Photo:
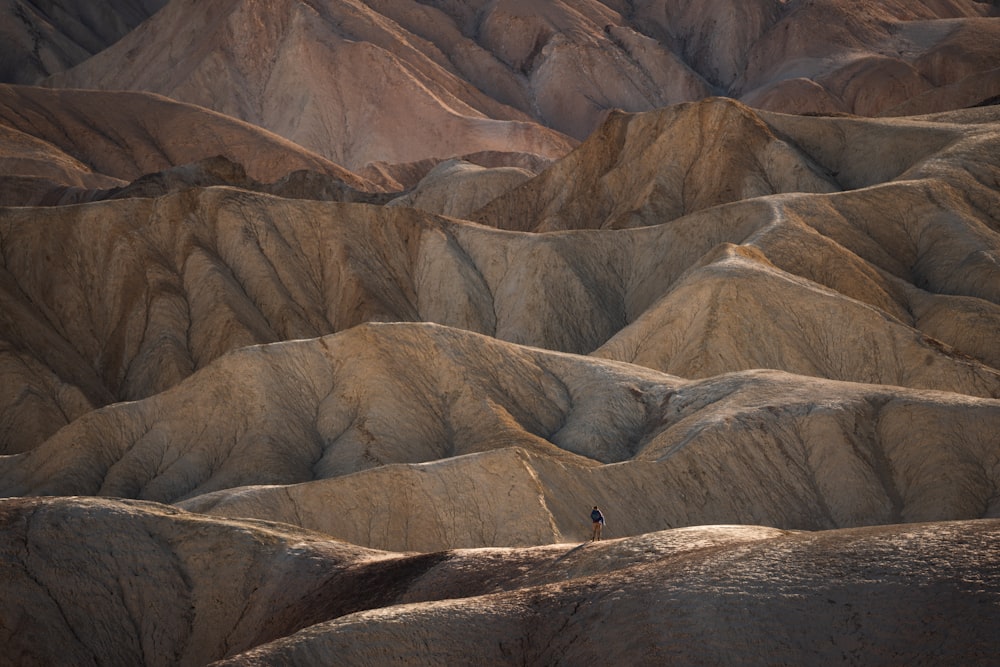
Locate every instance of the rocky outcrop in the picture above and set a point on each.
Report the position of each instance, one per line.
(650, 168)
(456, 188)
(263, 63)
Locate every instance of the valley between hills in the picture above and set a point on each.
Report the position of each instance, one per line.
(325, 323)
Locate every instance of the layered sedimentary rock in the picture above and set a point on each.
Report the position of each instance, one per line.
(62, 144)
(905, 262)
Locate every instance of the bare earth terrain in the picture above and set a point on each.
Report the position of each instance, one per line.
(324, 324)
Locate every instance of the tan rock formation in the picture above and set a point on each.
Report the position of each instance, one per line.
(904, 261)
(406, 175)
(262, 63)
(334, 76)
(645, 169)
(651, 168)
(136, 583)
(706, 313)
(793, 599)
(867, 58)
(140, 583)
(674, 452)
(456, 188)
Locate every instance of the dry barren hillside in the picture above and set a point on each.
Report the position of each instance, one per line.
(905, 262)
(164, 587)
(658, 451)
(62, 145)
(336, 76)
(323, 325)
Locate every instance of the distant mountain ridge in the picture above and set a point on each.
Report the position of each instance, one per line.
(339, 77)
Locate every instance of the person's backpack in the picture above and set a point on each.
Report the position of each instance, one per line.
(595, 515)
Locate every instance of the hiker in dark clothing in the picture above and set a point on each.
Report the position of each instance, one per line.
(598, 519)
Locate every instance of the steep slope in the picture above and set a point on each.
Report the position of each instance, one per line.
(650, 168)
(724, 331)
(146, 584)
(125, 135)
(706, 313)
(131, 583)
(641, 169)
(33, 169)
(155, 300)
(874, 58)
(40, 38)
(336, 76)
(264, 63)
(685, 452)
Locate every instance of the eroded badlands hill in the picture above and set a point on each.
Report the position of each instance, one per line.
(60, 146)
(792, 281)
(351, 80)
(657, 451)
(431, 276)
(139, 583)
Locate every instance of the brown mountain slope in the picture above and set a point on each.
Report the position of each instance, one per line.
(40, 38)
(641, 169)
(874, 58)
(725, 331)
(685, 452)
(130, 583)
(34, 169)
(337, 76)
(126, 135)
(264, 63)
(649, 168)
(136, 313)
(786, 600)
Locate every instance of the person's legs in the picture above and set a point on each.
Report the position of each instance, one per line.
(597, 531)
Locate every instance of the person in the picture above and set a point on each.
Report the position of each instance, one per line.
(598, 518)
